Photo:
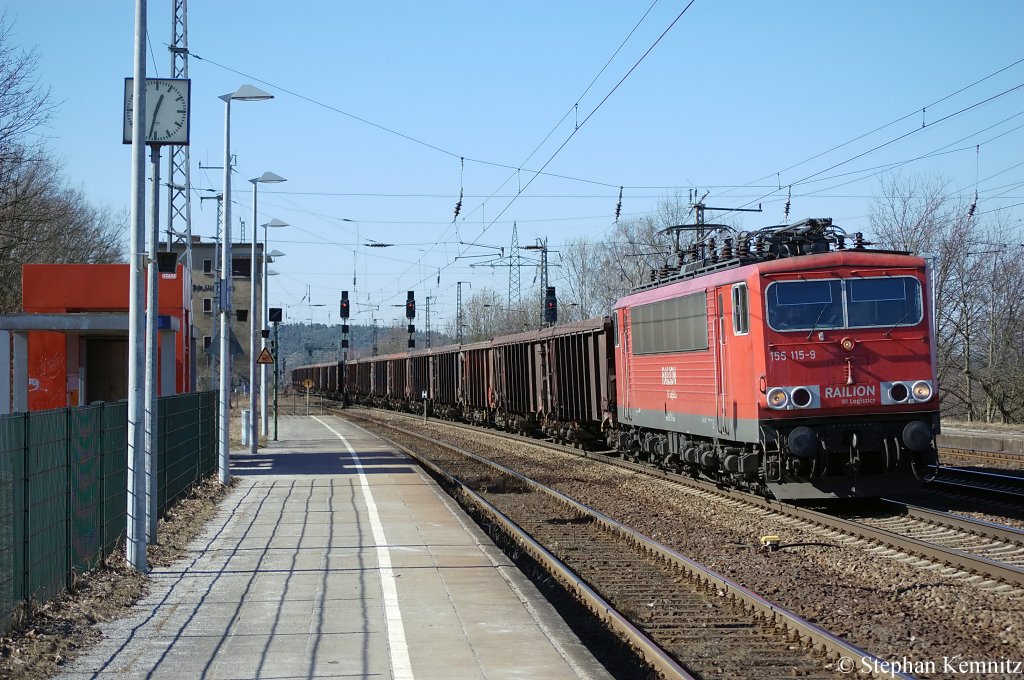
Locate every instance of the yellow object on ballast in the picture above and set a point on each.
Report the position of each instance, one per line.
(770, 542)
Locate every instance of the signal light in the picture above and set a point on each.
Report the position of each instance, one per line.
(344, 304)
(550, 305)
(410, 306)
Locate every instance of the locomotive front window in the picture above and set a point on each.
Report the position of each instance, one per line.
(883, 301)
(805, 305)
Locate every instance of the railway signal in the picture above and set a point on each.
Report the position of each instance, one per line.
(344, 313)
(550, 306)
(410, 305)
(410, 314)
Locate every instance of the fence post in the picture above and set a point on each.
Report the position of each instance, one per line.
(26, 523)
(69, 512)
(102, 484)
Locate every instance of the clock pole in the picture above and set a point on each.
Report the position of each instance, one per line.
(135, 549)
(152, 302)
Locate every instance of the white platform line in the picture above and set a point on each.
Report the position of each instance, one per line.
(400, 664)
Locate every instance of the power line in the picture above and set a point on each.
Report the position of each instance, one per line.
(887, 125)
(592, 112)
(889, 142)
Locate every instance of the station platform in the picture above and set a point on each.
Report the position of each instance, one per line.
(981, 439)
(336, 556)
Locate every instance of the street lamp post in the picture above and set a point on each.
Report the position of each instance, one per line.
(254, 325)
(244, 93)
(264, 393)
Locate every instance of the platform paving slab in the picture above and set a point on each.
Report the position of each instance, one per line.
(290, 581)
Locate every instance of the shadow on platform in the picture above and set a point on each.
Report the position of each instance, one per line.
(320, 463)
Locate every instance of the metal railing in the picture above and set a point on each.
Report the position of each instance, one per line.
(63, 487)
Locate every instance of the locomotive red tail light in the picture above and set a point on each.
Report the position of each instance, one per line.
(898, 393)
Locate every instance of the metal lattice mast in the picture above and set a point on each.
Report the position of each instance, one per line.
(428, 321)
(179, 212)
(543, 247)
(179, 182)
(458, 312)
(213, 358)
(514, 279)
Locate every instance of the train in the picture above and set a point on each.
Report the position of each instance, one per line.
(794, 362)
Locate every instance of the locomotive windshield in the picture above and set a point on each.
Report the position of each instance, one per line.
(844, 303)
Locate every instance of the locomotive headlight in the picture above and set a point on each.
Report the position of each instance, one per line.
(801, 397)
(777, 397)
(898, 393)
(922, 390)
(847, 343)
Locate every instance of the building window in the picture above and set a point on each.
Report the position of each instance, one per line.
(241, 267)
(207, 340)
(207, 305)
(207, 266)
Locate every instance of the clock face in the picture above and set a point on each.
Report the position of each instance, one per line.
(167, 114)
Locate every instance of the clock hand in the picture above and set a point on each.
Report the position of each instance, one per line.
(156, 110)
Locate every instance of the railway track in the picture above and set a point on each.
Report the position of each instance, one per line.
(963, 548)
(995, 458)
(985, 539)
(685, 619)
(980, 483)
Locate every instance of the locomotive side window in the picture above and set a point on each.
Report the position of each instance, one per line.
(805, 305)
(615, 327)
(884, 301)
(740, 310)
(676, 325)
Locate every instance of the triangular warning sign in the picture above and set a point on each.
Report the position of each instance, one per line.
(265, 357)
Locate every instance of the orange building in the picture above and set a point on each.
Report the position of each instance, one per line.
(70, 346)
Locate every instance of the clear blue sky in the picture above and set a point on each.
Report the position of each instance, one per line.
(733, 93)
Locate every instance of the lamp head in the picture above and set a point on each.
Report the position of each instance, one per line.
(276, 223)
(268, 178)
(247, 93)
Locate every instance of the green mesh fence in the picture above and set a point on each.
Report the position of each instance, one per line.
(12, 501)
(46, 566)
(63, 487)
(114, 493)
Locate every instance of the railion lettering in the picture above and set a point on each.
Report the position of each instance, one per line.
(850, 391)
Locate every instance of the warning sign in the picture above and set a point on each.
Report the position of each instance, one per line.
(307, 383)
(265, 357)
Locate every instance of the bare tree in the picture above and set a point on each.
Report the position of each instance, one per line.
(597, 272)
(41, 218)
(978, 280)
(25, 105)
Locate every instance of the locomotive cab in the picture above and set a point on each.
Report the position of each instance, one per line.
(849, 403)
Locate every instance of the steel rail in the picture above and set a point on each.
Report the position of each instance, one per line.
(807, 631)
(990, 456)
(952, 557)
(951, 520)
(1008, 487)
(648, 649)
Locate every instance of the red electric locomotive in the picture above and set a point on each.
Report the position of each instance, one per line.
(784, 362)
